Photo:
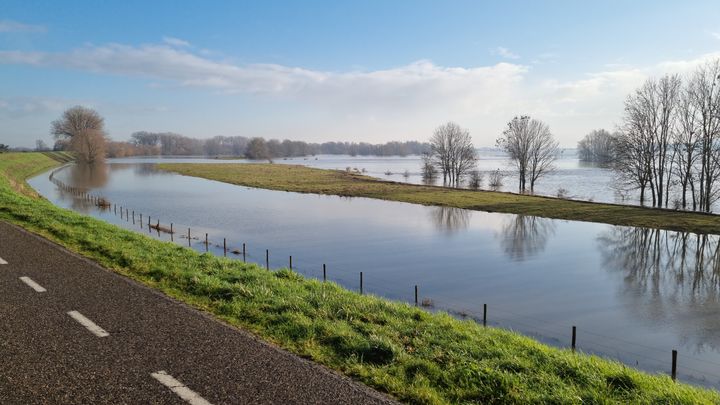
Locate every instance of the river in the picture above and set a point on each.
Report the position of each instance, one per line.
(634, 294)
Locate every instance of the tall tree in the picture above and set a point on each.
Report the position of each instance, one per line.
(76, 119)
(452, 151)
(531, 147)
(83, 130)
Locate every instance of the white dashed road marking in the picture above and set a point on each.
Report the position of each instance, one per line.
(2, 261)
(88, 324)
(32, 284)
(190, 396)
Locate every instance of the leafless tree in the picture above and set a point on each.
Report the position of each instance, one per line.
(531, 147)
(429, 172)
(76, 119)
(598, 146)
(257, 149)
(496, 180)
(687, 145)
(89, 144)
(83, 130)
(647, 152)
(41, 146)
(705, 93)
(452, 152)
(475, 179)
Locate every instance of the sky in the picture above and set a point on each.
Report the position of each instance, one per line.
(371, 71)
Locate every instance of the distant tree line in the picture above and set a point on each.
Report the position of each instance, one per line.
(172, 144)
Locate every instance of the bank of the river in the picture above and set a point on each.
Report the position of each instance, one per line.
(414, 355)
(309, 180)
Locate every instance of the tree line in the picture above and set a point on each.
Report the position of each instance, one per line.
(528, 142)
(667, 146)
(82, 130)
(167, 143)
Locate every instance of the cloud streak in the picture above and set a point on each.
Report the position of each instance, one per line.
(14, 26)
(413, 98)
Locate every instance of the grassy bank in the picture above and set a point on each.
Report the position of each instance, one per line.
(308, 180)
(415, 356)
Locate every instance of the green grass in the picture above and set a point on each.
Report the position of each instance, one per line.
(413, 355)
(309, 180)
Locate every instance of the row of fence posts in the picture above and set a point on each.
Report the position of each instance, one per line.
(77, 192)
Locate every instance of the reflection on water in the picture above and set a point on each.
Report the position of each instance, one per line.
(669, 278)
(657, 290)
(450, 219)
(88, 176)
(525, 236)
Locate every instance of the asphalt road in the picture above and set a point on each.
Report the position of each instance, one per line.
(72, 332)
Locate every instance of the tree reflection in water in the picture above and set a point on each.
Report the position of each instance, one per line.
(450, 219)
(671, 279)
(525, 236)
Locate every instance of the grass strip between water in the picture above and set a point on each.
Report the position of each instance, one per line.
(413, 355)
(347, 184)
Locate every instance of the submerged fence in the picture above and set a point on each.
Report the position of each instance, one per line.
(557, 334)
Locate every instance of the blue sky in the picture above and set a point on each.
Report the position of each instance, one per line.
(330, 70)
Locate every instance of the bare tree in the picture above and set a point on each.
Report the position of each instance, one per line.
(687, 144)
(41, 146)
(74, 120)
(705, 93)
(4, 148)
(257, 149)
(429, 172)
(82, 129)
(452, 152)
(531, 147)
(89, 144)
(648, 152)
(598, 146)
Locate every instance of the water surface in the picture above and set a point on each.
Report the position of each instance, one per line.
(634, 294)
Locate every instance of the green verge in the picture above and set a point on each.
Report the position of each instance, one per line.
(413, 355)
(319, 181)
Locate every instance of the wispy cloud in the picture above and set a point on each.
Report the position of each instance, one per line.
(177, 42)
(14, 26)
(408, 99)
(505, 53)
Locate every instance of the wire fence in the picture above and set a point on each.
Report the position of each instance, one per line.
(557, 333)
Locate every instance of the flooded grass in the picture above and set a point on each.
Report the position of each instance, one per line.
(347, 184)
(414, 355)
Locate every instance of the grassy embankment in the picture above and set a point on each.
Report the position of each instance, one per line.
(414, 355)
(308, 180)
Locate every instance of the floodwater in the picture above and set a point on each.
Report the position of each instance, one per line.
(581, 180)
(634, 294)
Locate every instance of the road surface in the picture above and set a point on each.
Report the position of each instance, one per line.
(72, 332)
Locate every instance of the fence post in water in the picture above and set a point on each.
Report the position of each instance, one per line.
(572, 343)
(206, 241)
(244, 252)
(225, 247)
(188, 237)
(484, 314)
(133, 214)
(141, 222)
(171, 228)
(290, 262)
(148, 221)
(267, 259)
(115, 208)
(127, 216)
(361, 283)
(324, 273)
(673, 371)
(416, 300)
